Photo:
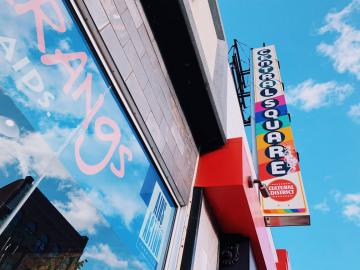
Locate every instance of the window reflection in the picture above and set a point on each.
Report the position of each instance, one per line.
(62, 123)
(39, 237)
(9, 128)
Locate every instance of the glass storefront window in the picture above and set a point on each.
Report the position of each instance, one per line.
(77, 187)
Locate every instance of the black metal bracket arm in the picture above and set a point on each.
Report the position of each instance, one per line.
(239, 74)
(262, 187)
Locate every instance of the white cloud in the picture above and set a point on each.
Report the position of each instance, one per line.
(322, 206)
(80, 211)
(64, 44)
(103, 253)
(126, 205)
(139, 265)
(87, 209)
(350, 204)
(310, 95)
(354, 113)
(32, 156)
(352, 198)
(345, 50)
(336, 195)
(352, 212)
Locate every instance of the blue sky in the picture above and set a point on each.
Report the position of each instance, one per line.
(318, 45)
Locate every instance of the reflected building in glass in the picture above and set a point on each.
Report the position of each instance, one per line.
(38, 237)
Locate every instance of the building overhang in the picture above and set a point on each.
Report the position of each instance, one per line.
(224, 175)
(174, 36)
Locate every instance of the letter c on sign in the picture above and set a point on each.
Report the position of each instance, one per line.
(264, 52)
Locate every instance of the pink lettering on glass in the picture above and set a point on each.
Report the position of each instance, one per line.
(85, 87)
(65, 59)
(113, 137)
(123, 151)
(36, 6)
(74, 64)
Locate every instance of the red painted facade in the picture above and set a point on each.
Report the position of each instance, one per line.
(283, 260)
(224, 175)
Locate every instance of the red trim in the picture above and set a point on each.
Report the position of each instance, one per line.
(283, 260)
(224, 175)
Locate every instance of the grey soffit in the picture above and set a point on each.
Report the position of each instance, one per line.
(216, 19)
(181, 57)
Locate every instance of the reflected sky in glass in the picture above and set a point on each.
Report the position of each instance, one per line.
(61, 124)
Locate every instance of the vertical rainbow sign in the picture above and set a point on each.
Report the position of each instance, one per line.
(278, 162)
